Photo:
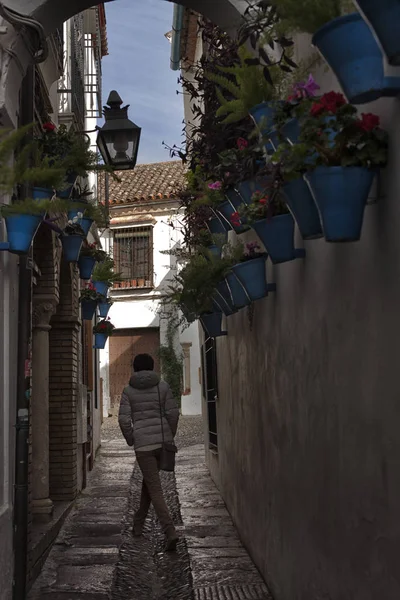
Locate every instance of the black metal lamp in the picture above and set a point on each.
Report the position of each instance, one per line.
(118, 139)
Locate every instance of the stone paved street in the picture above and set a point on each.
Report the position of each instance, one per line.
(97, 558)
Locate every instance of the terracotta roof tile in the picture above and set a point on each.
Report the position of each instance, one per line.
(146, 183)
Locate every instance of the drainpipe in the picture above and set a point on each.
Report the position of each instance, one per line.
(177, 27)
(23, 385)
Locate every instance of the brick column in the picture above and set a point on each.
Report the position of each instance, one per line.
(43, 309)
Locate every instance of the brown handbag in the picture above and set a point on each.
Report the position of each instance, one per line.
(168, 449)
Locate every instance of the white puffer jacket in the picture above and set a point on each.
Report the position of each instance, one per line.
(139, 412)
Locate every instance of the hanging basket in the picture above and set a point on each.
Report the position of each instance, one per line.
(302, 206)
(86, 265)
(88, 309)
(21, 230)
(350, 49)
(383, 17)
(239, 293)
(100, 340)
(212, 324)
(104, 309)
(72, 245)
(101, 287)
(252, 275)
(341, 194)
(85, 223)
(277, 235)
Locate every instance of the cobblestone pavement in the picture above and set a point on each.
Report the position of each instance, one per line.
(97, 558)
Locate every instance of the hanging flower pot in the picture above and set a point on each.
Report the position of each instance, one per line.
(384, 18)
(88, 309)
(226, 307)
(263, 116)
(101, 287)
(71, 179)
(104, 308)
(212, 324)
(226, 211)
(215, 226)
(71, 247)
(302, 206)
(40, 193)
(249, 187)
(84, 222)
(215, 250)
(291, 131)
(340, 194)
(239, 293)
(86, 265)
(224, 292)
(350, 49)
(252, 276)
(100, 340)
(21, 230)
(277, 235)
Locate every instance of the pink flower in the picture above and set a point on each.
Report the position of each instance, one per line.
(242, 143)
(217, 185)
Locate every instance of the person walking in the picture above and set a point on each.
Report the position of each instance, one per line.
(148, 418)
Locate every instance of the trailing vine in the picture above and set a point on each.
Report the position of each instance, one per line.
(171, 362)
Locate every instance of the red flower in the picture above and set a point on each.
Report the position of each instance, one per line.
(316, 109)
(242, 143)
(263, 200)
(235, 219)
(368, 122)
(49, 127)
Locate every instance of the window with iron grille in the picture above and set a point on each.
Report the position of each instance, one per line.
(133, 256)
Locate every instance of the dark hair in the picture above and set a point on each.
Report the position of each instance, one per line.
(143, 362)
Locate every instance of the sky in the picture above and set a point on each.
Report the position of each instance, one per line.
(138, 68)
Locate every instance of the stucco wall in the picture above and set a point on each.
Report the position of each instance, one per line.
(308, 413)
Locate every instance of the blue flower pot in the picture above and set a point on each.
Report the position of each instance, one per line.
(340, 194)
(104, 309)
(39, 193)
(215, 250)
(239, 294)
(85, 223)
(100, 340)
(88, 309)
(72, 245)
(71, 179)
(291, 131)
(21, 230)
(277, 235)
(226, 211)
(274, 139)
(101, 287)
(263, 115)
(86, 266)
(302, 206)
(224, 292)
(212, 324)
(252, 276)
(215, 226)
(384, 18)
(249, 187)
(350, 49)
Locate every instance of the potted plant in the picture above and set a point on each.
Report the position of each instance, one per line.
(343, 172)
(89, 255)
(250, 271)
(72, 239)
(104, 276)
(89, 300)
(271, 220)
(104, 307)
(292, 160)
(345, 42)
(91, 211)
(22, 221)
(212, 323)
(209, 244)
(383, 18)
(102, 332)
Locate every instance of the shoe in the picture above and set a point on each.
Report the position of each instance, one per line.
(171, 543)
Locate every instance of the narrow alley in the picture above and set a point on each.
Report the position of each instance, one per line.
(96, 557)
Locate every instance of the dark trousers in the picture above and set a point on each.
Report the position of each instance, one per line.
(149, 463)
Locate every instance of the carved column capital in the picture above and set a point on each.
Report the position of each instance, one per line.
(43, 309)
